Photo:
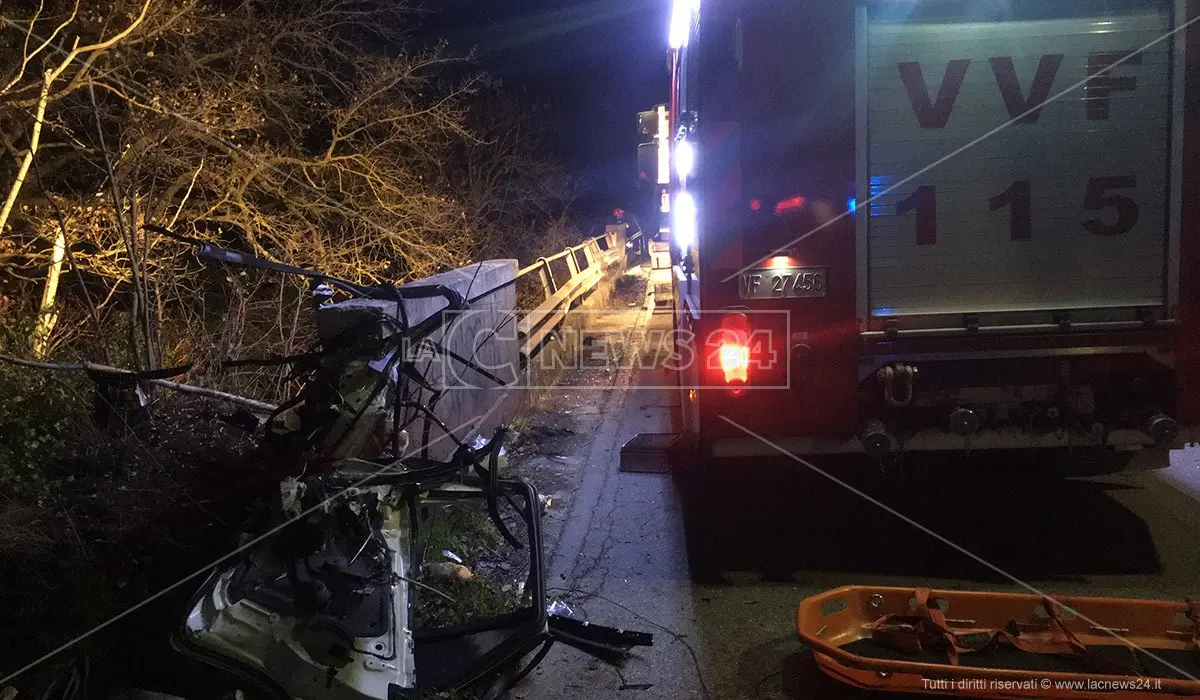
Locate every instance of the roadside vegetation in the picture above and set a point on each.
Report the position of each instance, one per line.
(328, 134)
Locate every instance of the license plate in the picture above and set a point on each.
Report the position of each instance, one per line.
(783, 283)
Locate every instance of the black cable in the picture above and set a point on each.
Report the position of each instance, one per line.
(437, 421)
(680, 638)
(491, 476)
(474, 275)
(233, 257)
(403, 314)
(493, 290)
(537, 659)
(470, 364)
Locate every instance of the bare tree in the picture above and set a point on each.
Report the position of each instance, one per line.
(271, 126)
(311, 133)
(57, 47)
(519, 197)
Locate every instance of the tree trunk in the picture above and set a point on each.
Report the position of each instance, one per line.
(35, 138)
(47, 313)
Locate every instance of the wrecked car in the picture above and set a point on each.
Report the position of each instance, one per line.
(319, 603)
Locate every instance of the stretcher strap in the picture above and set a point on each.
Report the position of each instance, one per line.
(1193, 614)
(927, 630)
(1064, 642)
(1061, 640)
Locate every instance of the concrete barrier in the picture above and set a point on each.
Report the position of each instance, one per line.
(499, 338)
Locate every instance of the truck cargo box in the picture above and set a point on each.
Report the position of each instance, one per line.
(1003, 175)
(978, 217)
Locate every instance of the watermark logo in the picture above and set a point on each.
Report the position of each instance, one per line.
(1036, 685)
(481, 349)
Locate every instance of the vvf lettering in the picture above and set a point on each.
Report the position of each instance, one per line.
(1025, 107)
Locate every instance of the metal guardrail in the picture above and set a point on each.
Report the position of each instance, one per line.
(587, 264)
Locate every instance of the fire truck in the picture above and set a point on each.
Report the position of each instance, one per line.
(919, 225)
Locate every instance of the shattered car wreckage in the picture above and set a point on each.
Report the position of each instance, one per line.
(323, 608)
(320, 603)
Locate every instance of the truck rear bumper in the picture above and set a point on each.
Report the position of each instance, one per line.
(940, 441)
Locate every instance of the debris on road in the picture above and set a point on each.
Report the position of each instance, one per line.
(560, 608)
(446, 571)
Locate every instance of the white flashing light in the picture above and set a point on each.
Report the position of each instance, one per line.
(682, 13)
(664, 146)
(685, 159)
(683, 221)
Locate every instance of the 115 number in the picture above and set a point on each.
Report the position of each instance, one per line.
(1100, 195)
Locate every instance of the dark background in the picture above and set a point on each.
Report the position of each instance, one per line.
(594, 63)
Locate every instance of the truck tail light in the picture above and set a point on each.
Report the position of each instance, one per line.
(735, 362)
(733, 352)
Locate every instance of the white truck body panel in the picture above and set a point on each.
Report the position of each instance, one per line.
(959, 246)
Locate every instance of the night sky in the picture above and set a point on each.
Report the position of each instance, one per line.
(596, 63)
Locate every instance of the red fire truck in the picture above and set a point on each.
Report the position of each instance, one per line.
(937, 224)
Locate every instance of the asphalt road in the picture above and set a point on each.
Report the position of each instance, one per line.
(778, 531)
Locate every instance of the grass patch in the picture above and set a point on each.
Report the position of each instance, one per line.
(520, 422)
(460, 528)
(465, 530)
(473, 599)
(38, 411)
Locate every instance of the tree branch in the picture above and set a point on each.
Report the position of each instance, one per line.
(176, 386)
